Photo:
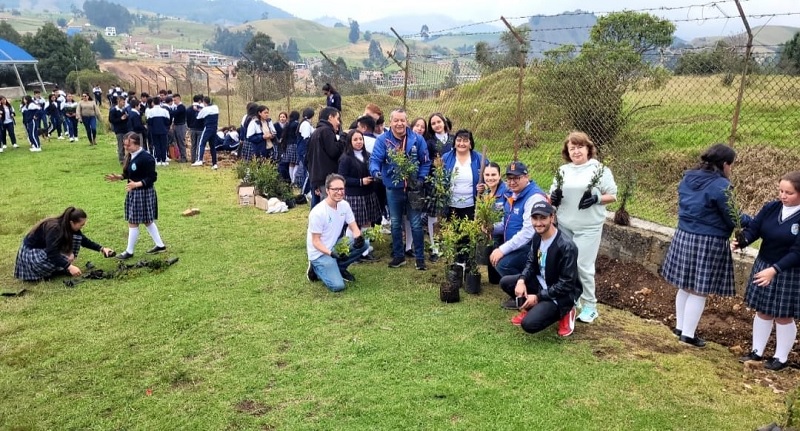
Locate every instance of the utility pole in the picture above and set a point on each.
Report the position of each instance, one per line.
(227, 92)
(737, 110)
(335, 67)
(405, 70)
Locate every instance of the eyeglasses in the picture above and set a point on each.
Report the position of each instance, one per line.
(336, 190)
(512, 179)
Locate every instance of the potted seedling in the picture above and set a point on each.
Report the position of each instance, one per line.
(449, 239)
(559, 190)
(735, 213)
(342, 247)
(476, 240)
(486, 215)
(405, 171)
(438, 188)
(621, 216)
(593, 182)
(373, 235)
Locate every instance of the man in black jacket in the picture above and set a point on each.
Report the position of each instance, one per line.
(324, 150)
(548, 287)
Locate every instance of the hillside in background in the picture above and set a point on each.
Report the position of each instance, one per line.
(570, 28)
(412, 24)
(209, 11)
(765, 38)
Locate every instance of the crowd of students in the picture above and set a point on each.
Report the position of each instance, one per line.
(545, 245)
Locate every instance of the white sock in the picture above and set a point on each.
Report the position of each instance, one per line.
(133, 236)
(292, 173)
(431, 221)
(784, 340)
(761, 331)
(153, 231)
(409, 237)
(680, 305)
(692, 313)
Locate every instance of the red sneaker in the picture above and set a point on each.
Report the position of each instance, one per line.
(517, 320)
(567, 324)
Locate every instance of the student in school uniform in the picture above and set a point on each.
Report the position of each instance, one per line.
(7, 130)
(31, 114)
(52, 246)
(158, 123)
(141, 201)
(209, 115)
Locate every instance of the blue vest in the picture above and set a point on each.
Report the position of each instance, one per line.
(513, 209)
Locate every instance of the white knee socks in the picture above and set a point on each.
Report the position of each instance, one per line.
(784, 340)
(691, 314)
(680, 305)
(153, 231)
(409, 238)
(292, 173)
(133, 236)
(761, 330)
(434, 246)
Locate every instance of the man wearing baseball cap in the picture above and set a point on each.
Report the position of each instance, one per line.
(516, 229)
(548, 286)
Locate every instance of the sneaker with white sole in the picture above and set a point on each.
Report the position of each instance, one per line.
(15, 146)
(215, 167)
(61, 137)
(588, 314)
(197, 163)
(311, 275)
(567, 324)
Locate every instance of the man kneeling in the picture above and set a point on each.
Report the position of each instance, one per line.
(548, 287)
(325, 225)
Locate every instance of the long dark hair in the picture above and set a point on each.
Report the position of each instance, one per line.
(714, 158)
(62, 222)
(348, 145)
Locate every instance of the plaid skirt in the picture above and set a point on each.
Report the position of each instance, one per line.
(33, 264)
(141, 206)
(699, 263)
(246, 152)
(781, 298)
(290, 154)
(366, 210)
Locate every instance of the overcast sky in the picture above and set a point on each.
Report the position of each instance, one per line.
(478, 11)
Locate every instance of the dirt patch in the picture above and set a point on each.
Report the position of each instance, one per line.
(726, 320)
(253, 408)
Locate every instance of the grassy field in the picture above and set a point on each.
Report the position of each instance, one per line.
(234, 337)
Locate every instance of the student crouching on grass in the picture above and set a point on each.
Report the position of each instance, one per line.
(549, 285)
(325, 225)
(51, 247)
(141, 202)
(774, 286)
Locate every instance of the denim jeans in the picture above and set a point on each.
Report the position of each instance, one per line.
(514, 262)
(329, 270)
(397, 199)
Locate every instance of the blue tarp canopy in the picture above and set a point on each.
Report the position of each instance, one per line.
(12, 54)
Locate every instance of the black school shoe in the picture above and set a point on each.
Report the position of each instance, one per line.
(775, 365)
(157, 249)
(310, 274)
(124, 255)
(752, 356)
(397, 262)
(695, 342)
(677, 332)
(347, 275)
(420, 265)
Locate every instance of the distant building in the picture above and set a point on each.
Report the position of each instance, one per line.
(111, 31)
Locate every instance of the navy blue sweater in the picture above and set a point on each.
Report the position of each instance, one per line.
(703, 205)
(781, 243)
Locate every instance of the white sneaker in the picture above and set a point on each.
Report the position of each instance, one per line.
(165, 163)
(1, 149)
(72, 139)
(60, 137)
(168, 160)
(33, 150)
(15, 146)
(215, 167)
(5, 146)
(197, 163)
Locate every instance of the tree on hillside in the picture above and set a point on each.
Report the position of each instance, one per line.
(790, 55)
(424, 32)
(642, 31)
(56, 55)
(102, 47)
(506, 55)
(228, 42)
(292, 51)
(61, 22)
(455, 68)
(8, 33)
(375, 53)
(355, 34)
(261, 56)
(104, 14)
(265, 15)
(367, 36)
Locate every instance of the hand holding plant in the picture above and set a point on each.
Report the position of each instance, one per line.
(589, 198)
(341, 249)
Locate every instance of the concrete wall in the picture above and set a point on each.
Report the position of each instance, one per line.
(12, 92)
(646, 243)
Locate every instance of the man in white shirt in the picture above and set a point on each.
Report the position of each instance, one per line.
(325, 225)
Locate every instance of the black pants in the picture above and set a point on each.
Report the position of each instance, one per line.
(469, 214)
(542, 315)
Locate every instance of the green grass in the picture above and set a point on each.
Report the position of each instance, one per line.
(234, 337)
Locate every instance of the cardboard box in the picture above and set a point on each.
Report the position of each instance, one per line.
(247, 195)
(262, 203)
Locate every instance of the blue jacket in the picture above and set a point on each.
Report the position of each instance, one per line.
(449, 160)
(514, 211)
(416, 149)
(158, 121)
(500, 196)
(30, 113)
(703, 205)
(210, 117)
(135, 121)
(780, 245)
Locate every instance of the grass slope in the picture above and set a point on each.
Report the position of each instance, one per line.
(234, 337)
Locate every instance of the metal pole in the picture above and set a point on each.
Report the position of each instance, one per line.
(177, 86)
(405, 78)
(227, 92)
(189, 78)
(19, 79)
(522, 51)
(156, 81)
(737, 110)
(208, 80)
